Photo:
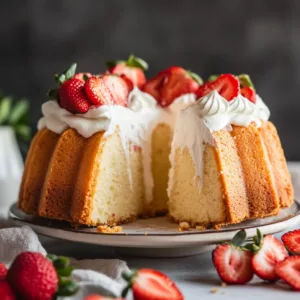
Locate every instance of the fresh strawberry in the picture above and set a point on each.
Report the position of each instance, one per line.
(6, 292)
(3, 271)
(289, 271)
(133, 69)
(247, 87)
(128, 82)
(70, 91)
(98, 297)
(268, 251)
(108, 89)
(233, 262)
(33, 276)
(227, 85)
(83, 76)
(291, 241)
(249, 93)
(72, 96)
(172, 83)
(154, 85)
(148, 284)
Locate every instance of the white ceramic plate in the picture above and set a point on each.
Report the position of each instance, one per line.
(155, 232)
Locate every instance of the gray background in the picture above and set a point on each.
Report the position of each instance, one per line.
(258, 37)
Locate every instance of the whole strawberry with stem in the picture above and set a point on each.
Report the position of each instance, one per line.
(70, 93)
(267, 253)
(232, 261)
(148, 284)
(172, 83)
(133, 68)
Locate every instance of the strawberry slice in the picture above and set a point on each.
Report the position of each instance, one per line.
(72, 96)
(148, 284)
(249, 93)
(133, 68)
(268, 252)
(291, 241)
(128, 82)
(233, 262)
(172, 83)
(83, 76)
(108, 89)
(289, 271)
(227, 85)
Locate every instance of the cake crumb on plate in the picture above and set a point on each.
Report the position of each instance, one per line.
(184, 226)
(109, 229)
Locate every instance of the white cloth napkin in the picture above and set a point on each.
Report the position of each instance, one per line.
(100, 276)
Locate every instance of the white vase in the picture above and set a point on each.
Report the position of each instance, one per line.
(11, 168)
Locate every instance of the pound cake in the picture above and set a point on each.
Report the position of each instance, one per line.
(227, 163)
(101, 153)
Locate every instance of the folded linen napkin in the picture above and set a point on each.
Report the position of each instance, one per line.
(100, 276)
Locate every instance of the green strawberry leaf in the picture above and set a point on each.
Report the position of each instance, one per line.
(20, 109)
(65, 272)
(70, 72)
(53, 94)
(195, 76)
(85, 77)
(213, 77)
(137, 63)
(239, 238)
(23, 132)
(52, 257)
(245, 81)
(60, 78)
(67, 288)
(5, 106)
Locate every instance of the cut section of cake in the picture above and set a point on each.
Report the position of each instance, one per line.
(227, 160)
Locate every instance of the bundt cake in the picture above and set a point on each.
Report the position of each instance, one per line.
(227, 163)
(101, 153)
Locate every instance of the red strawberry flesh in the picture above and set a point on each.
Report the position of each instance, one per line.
(291, 240)
(233, 264)
(72, 96)
(249, 93)
(3, 271)
(265, 260)
(150, 284)
(6, 291)
(226, 85)
(289, 271)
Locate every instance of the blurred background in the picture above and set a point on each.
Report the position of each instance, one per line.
(258, 37)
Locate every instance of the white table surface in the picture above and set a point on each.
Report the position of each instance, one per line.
(195, 275)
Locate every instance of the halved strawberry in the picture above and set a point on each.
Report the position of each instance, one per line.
(268, 251)
(233, 262)
(83, 76)
(3, 271)
(72, 96)
(154, 85)
(178, 83)
(108, 89)
(289, 271)
(133, 68)
(148, 284)
(172, 83)
(249, 93)
(227, 85)
(128, 82)
(291, 241)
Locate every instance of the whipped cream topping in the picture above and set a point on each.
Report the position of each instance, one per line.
(138, 100)
(196, 123)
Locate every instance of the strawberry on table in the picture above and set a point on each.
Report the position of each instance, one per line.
(232, 261)
(6, 291)
(3, 271)
(148, 284)
(268, 251)
(291, 241)
(289, 271)
(227, 85)
(33, 276)
(172, 83)
(133, 68)
(70, 92)
(107, 89)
